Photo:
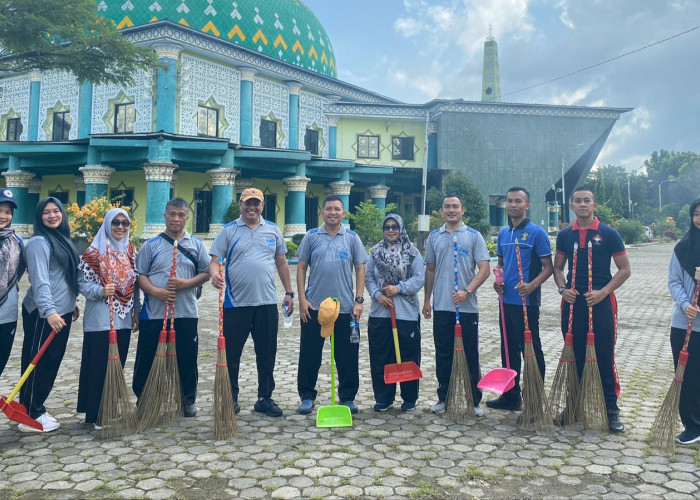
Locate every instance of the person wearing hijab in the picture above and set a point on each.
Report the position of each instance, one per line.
(394, 276)
(50, 304)
(683, 275)
(12, 266)
(102, 275)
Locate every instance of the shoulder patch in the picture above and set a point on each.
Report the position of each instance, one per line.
(350, 231)
(153, 240)
(229, 224)
(270, 222)
(313, 231)
(472, 230)
(434, 231)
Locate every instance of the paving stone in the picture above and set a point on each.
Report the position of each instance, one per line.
(286, 492)
(682, 486)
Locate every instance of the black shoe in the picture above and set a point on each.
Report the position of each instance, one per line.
(614, 424)
(236, 406)
(268, 407)
(189, 410)
(503, 403)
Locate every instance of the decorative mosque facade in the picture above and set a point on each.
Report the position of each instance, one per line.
(246, 94)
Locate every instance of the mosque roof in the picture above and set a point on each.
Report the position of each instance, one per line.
(284, 29)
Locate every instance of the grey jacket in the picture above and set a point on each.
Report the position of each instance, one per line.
(681, 286)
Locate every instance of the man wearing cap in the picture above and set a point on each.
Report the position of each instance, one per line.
(153, 263)
(252, 248)
(12, 258)
(332, 252)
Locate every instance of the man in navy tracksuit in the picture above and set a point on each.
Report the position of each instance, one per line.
(536, 257)
(606, 245)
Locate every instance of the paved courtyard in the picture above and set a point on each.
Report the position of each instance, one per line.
(391, 454)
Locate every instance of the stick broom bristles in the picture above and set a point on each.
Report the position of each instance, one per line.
(153, 395)
(116, 415)
(225, 426)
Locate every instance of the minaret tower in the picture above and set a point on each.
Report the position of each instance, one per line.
(490, 80)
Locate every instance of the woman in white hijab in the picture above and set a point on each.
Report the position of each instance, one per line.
(103, 275)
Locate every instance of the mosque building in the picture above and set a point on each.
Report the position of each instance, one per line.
(247, 94)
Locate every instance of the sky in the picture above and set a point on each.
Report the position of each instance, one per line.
(418, 50)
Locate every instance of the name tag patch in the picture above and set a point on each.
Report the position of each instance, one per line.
(463, 252)
(344, 255)
(271, 242)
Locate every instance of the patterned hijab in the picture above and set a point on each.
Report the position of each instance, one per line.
(12, 264)
(393, 260)
(59, 240)
(119, 269)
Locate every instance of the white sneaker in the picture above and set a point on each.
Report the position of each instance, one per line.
(478, 411)
(46, 422)
(439, 407)
(97, 427)
(50, 417)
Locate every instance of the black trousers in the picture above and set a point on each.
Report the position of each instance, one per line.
(604, 323)
(93, 369)
(186, 347)
(444, 336)
(382, 353)
(515, 331)
(37, 387)
(689, 406)
(261, 323)
(7, 337)
(311, 353)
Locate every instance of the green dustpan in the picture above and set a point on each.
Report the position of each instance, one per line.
(333, 415)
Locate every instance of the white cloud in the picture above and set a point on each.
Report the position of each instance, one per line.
(572, 97)
(408, 27)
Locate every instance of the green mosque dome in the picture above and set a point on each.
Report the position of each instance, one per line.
(284, 29)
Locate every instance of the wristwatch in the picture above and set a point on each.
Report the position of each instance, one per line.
(561, 289)
(469, 294)
(289, 294)
(359, 300)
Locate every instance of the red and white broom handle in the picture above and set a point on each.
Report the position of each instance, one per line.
(173, 274)
(520, 275)
(221, 343)
(112, 331)
(590, 285)
(683, 356)
(573, 287)
(456, 269)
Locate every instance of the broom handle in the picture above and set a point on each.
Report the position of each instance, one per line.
(520, 275)
(498, 272)
(690, 322)
(31, 366)
(395, 333)
(173, 274)
(590, 285)
(109, 280)
(573, 287)
(332, 370)
(456, 269)
(221, 298)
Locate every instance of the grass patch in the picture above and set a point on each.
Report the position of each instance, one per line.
(426, 490)
(472, 472)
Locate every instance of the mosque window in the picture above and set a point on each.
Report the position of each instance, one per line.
(124, 118)
(207, 121)
(61, 195)
(368, 146)
(61, 126)
(401, 148)
(311, 141)
(268, 133)
(14, 129)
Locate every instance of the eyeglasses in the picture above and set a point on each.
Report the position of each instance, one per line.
(393, 227)
(122, 223)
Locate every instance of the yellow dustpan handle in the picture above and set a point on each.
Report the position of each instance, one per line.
(395, 332)
(19, 385)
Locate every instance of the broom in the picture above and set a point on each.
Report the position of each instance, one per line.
(172, 405)
(116, 414)
(662, 433)
(592, 410)
(460, 401)
(563, 398)
(224, 411)
(535, 413)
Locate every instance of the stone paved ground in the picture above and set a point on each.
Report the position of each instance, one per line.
(392, 454)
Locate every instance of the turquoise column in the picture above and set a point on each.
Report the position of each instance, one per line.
(552, 216)
(378, 194)
(96, 179)
(19, 181)
(222, 181)
(342, 188)
(294, 89)
(432, 150)
(332, 137)
(295, 205)
(246, 132)
(85, 110)
(158, 177)
(501, 214)
(166, 87)
(34, 93)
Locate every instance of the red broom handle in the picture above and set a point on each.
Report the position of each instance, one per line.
(221, 344)
(173, 274)
(520, 275)
(112, 332)
(683, 357)
(570, 330)
(590, 339)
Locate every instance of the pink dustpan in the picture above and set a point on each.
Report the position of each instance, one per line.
(499, 380)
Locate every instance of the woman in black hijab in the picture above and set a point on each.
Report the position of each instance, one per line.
(683, 276)
(50, 304)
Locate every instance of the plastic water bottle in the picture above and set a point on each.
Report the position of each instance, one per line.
(354, 330)
(287, 318)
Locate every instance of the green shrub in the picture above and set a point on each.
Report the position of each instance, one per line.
(233, 212)
(631, 231)
(368, 219)
(291, 249)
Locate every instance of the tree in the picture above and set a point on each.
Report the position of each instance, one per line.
(368, 219)
(41, 35)
(475, 207)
